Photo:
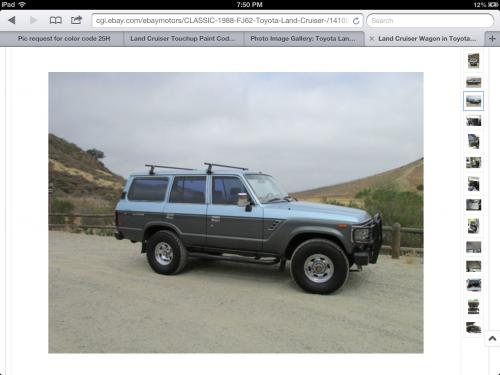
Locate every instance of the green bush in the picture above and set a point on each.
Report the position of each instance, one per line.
(60, 206)
(395, 206)
(362, 193)
(404, 207)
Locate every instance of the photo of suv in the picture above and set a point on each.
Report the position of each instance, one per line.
(235, 215)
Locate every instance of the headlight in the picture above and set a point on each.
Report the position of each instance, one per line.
(361, 234)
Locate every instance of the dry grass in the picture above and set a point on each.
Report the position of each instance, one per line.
(57, 166)
(407, 177)
(409, 260)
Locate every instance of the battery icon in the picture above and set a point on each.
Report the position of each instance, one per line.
(493, 4)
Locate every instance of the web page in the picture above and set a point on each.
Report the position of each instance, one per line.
(249, 188)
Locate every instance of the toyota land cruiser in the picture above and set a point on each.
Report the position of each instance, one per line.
(232, 214)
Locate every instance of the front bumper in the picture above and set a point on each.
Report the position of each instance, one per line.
(368, 251)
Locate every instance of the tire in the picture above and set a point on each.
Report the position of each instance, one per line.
(166, 254)
(319, 266)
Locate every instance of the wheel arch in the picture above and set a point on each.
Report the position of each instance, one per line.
(154, 227)
(301, 237)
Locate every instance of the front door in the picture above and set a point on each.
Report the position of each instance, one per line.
(230, 226)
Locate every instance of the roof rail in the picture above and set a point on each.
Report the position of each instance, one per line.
(210, 165)
(153, 166)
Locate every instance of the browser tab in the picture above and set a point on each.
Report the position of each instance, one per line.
(184, 39)
(304, 39)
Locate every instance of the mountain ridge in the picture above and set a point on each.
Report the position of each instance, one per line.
(408, 177)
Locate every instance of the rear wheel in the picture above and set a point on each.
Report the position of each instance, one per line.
(166, 254)
(319, 266)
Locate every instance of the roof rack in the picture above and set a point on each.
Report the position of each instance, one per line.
(210, 165)
(153, 166)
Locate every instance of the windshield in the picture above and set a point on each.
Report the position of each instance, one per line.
(266, 188)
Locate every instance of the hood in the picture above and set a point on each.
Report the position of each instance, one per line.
(331, 211)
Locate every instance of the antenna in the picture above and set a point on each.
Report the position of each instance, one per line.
(210, 165)
(153, 166)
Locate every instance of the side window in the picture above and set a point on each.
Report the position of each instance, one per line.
(188, 189)
(148, 189)
(225, 189)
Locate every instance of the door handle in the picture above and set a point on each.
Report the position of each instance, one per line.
(215, 219)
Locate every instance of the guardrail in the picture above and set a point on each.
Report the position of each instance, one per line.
(394, 248)
(69, 221)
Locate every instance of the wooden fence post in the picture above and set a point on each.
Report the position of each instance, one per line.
(396, 240)
(66, 224)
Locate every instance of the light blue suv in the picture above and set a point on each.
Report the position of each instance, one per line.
(235, 215)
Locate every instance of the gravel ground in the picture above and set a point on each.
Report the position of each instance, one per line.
(104, 298)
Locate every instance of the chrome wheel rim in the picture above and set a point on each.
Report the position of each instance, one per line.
(164, 253)
(318, 268)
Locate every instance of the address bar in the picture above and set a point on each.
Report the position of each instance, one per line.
(226, 20)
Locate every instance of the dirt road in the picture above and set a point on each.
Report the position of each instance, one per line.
(103, 297)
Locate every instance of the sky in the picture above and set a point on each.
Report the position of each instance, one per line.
(306, 129)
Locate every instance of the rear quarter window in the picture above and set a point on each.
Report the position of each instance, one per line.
(148, 189)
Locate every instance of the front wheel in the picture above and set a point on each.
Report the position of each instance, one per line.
(319, 266)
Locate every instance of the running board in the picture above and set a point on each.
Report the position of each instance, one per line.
(239, 259)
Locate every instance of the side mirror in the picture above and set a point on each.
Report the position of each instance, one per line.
(244, 201)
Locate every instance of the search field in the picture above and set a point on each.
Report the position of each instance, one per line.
(430, 20)
(222, 21)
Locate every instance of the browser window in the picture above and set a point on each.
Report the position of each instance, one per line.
(250, 187)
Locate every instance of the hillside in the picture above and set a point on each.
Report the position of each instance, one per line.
(408, 177)
(81, 179)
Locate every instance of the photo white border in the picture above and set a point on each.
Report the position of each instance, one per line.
(27, 102)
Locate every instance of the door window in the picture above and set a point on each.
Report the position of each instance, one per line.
(225, 189)
(188, 189)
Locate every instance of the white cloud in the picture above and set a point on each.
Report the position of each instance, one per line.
(307, 129)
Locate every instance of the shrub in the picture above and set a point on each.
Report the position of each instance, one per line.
(404, 207)
(95, 153)
(396, 206)
(362, 193)
(60, 206)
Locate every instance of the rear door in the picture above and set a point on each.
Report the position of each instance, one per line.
(186, 208)
(142, 202)
(230, 226)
